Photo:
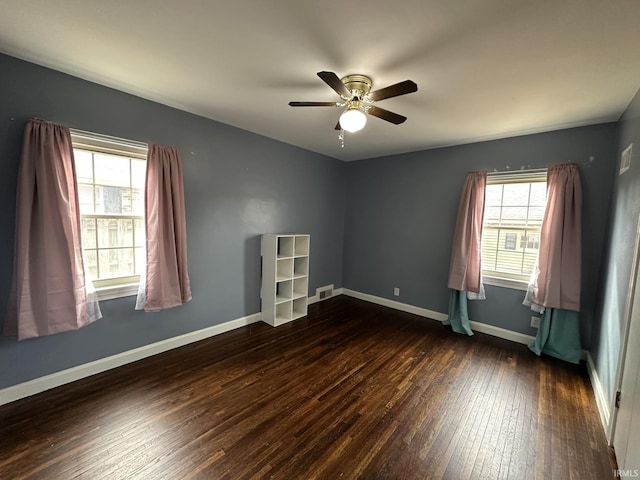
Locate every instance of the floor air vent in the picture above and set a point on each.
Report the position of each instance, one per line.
(325, 292)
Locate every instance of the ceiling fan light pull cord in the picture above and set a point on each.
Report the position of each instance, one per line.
(341, 138)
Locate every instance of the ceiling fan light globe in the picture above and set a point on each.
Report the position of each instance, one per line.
(353, 120)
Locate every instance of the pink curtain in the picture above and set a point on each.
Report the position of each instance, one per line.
(557, 284)
(48, 293)
(167, 277)
(465, 268)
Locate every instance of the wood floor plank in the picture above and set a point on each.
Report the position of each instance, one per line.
(354, 390)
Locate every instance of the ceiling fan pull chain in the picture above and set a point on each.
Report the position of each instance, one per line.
(341, 138)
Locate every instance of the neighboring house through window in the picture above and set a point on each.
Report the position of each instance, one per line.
(111, 179)
(513, 212)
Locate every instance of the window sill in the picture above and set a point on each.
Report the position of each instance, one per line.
(117, 291)
(506, 283)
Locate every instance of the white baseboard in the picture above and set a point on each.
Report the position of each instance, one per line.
(404, 307)
(32, 387)
(441, 317)
(604, 408)
(494, 331)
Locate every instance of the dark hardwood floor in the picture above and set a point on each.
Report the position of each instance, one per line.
(354, 390)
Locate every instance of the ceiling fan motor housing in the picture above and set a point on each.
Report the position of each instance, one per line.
(358, 85)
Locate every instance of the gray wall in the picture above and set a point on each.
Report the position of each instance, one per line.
(621, 242)
(401, 213)
(238, 185)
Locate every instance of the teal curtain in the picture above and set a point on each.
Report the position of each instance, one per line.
(458, 315)
(559, 335)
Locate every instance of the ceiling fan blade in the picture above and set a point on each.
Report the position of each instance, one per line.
(334, 82)
(313, 104)
(385, 115)
(395, 90)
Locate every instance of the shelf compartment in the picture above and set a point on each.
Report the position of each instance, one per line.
(299, 308)
(284, 291)
(301, 245)
(284, 312)
(284, 269)
(301, 266)
(300, 287)
(285, 247)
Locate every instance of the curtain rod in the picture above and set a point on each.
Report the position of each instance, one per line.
(516, 172)
(107, 138)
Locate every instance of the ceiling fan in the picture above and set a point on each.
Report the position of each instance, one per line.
(356, 94)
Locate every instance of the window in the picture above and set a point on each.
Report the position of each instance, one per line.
(532, 241)
(514, 208)
(510, 240)
(111, 178)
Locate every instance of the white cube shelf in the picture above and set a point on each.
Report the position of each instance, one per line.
(285, 277)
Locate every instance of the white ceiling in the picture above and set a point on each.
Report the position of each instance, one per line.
(485, 69)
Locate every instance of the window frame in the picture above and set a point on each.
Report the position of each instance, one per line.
(503, 279)
(104, 144)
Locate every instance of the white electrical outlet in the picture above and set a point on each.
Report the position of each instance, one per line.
(535, 322)
(396, 292)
